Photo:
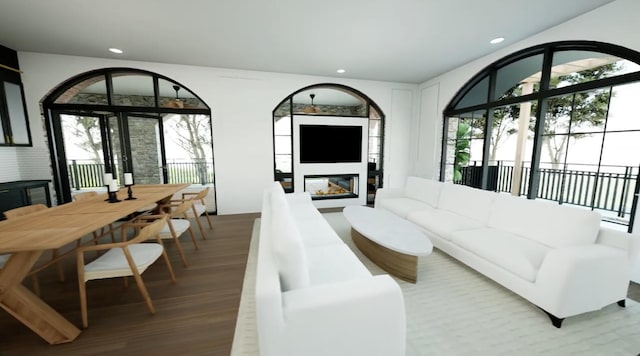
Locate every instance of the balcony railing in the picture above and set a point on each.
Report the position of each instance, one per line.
(83, 174)
(609, 189)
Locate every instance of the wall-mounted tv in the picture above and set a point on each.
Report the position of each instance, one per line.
(330, 144)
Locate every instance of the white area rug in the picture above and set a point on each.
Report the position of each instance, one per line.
(453, 310)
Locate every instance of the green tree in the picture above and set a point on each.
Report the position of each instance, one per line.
(574, 113)
(504, 123)
(462, 150)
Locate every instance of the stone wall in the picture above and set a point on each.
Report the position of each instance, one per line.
(131, 100)
(329, 110)
(144, 150)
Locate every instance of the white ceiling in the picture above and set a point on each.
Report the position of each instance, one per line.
(390, 40)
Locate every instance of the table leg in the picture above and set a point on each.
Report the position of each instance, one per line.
(25, 306)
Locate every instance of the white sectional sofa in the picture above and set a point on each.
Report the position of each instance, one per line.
(313, 295)
(556, 256)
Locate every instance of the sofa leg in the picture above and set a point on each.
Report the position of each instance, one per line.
(557, 322)
(622, 303)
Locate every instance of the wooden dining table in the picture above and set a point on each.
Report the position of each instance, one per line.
(27, 237)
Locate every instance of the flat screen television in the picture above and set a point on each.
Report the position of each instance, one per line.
(330, 144)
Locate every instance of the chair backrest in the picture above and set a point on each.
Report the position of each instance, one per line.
(201, 195)
(181, 209)
(85, 195)
(149, 231)
(24, 210)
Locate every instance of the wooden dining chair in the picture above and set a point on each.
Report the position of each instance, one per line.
(28, 210)
(105, 230)
(177, 224)
(199, 208)
(131, 257)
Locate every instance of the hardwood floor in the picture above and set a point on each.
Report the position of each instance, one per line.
(196, 316)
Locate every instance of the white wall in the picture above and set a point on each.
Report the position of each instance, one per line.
(614, 23)
(397, 154)
(241, 103)
(10, 170)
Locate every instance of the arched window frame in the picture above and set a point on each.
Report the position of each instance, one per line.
(540, 96)
(377, 173)
(51, 106)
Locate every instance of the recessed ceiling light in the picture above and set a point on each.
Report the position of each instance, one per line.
(115, 50)
(496, 40)
(341, 71)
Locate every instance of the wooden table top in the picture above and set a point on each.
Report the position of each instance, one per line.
(55, 227)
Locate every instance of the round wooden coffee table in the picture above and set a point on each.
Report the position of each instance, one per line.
(389, 241)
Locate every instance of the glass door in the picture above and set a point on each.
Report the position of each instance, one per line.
(84, 149)
(138, 148)
(189, 151)
(90, 144)
(96, 143)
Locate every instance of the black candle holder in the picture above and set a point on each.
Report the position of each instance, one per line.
(108, 193)
(130, 193)
(113, 197)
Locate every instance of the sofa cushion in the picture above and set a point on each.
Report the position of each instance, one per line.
(334, 263)
(470, 202)
(287, 246)
(543, 221)
(314, 229)
(424, 190)
(402, 206)
(442, 223)
(516, 254)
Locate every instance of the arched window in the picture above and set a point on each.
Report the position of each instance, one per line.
(555, 121)
(118, 120)
(331, 105)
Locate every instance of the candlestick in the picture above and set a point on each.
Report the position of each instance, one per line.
(107, 178)
(113, 197)
(113, 192)
(130, 194)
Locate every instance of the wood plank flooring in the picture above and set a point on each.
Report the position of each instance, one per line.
(196, 316)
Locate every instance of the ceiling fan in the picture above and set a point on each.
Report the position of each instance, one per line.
(312, 109)
(177, 102)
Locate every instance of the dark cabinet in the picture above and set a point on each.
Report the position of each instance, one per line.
(21, 193)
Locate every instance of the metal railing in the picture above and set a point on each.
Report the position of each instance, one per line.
(190, 172)
(86, 174)
(609, 189)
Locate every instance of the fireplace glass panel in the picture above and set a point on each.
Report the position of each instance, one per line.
(332, 186)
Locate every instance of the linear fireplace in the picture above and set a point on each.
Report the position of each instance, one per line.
(331, 186)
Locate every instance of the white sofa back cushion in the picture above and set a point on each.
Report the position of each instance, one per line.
(424, 190)
(466, 201)
(287, 246)
(546, 222)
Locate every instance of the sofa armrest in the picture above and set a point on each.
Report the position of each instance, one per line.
(575, 279)
(387, 193)
(625, 241)
(363, 316)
